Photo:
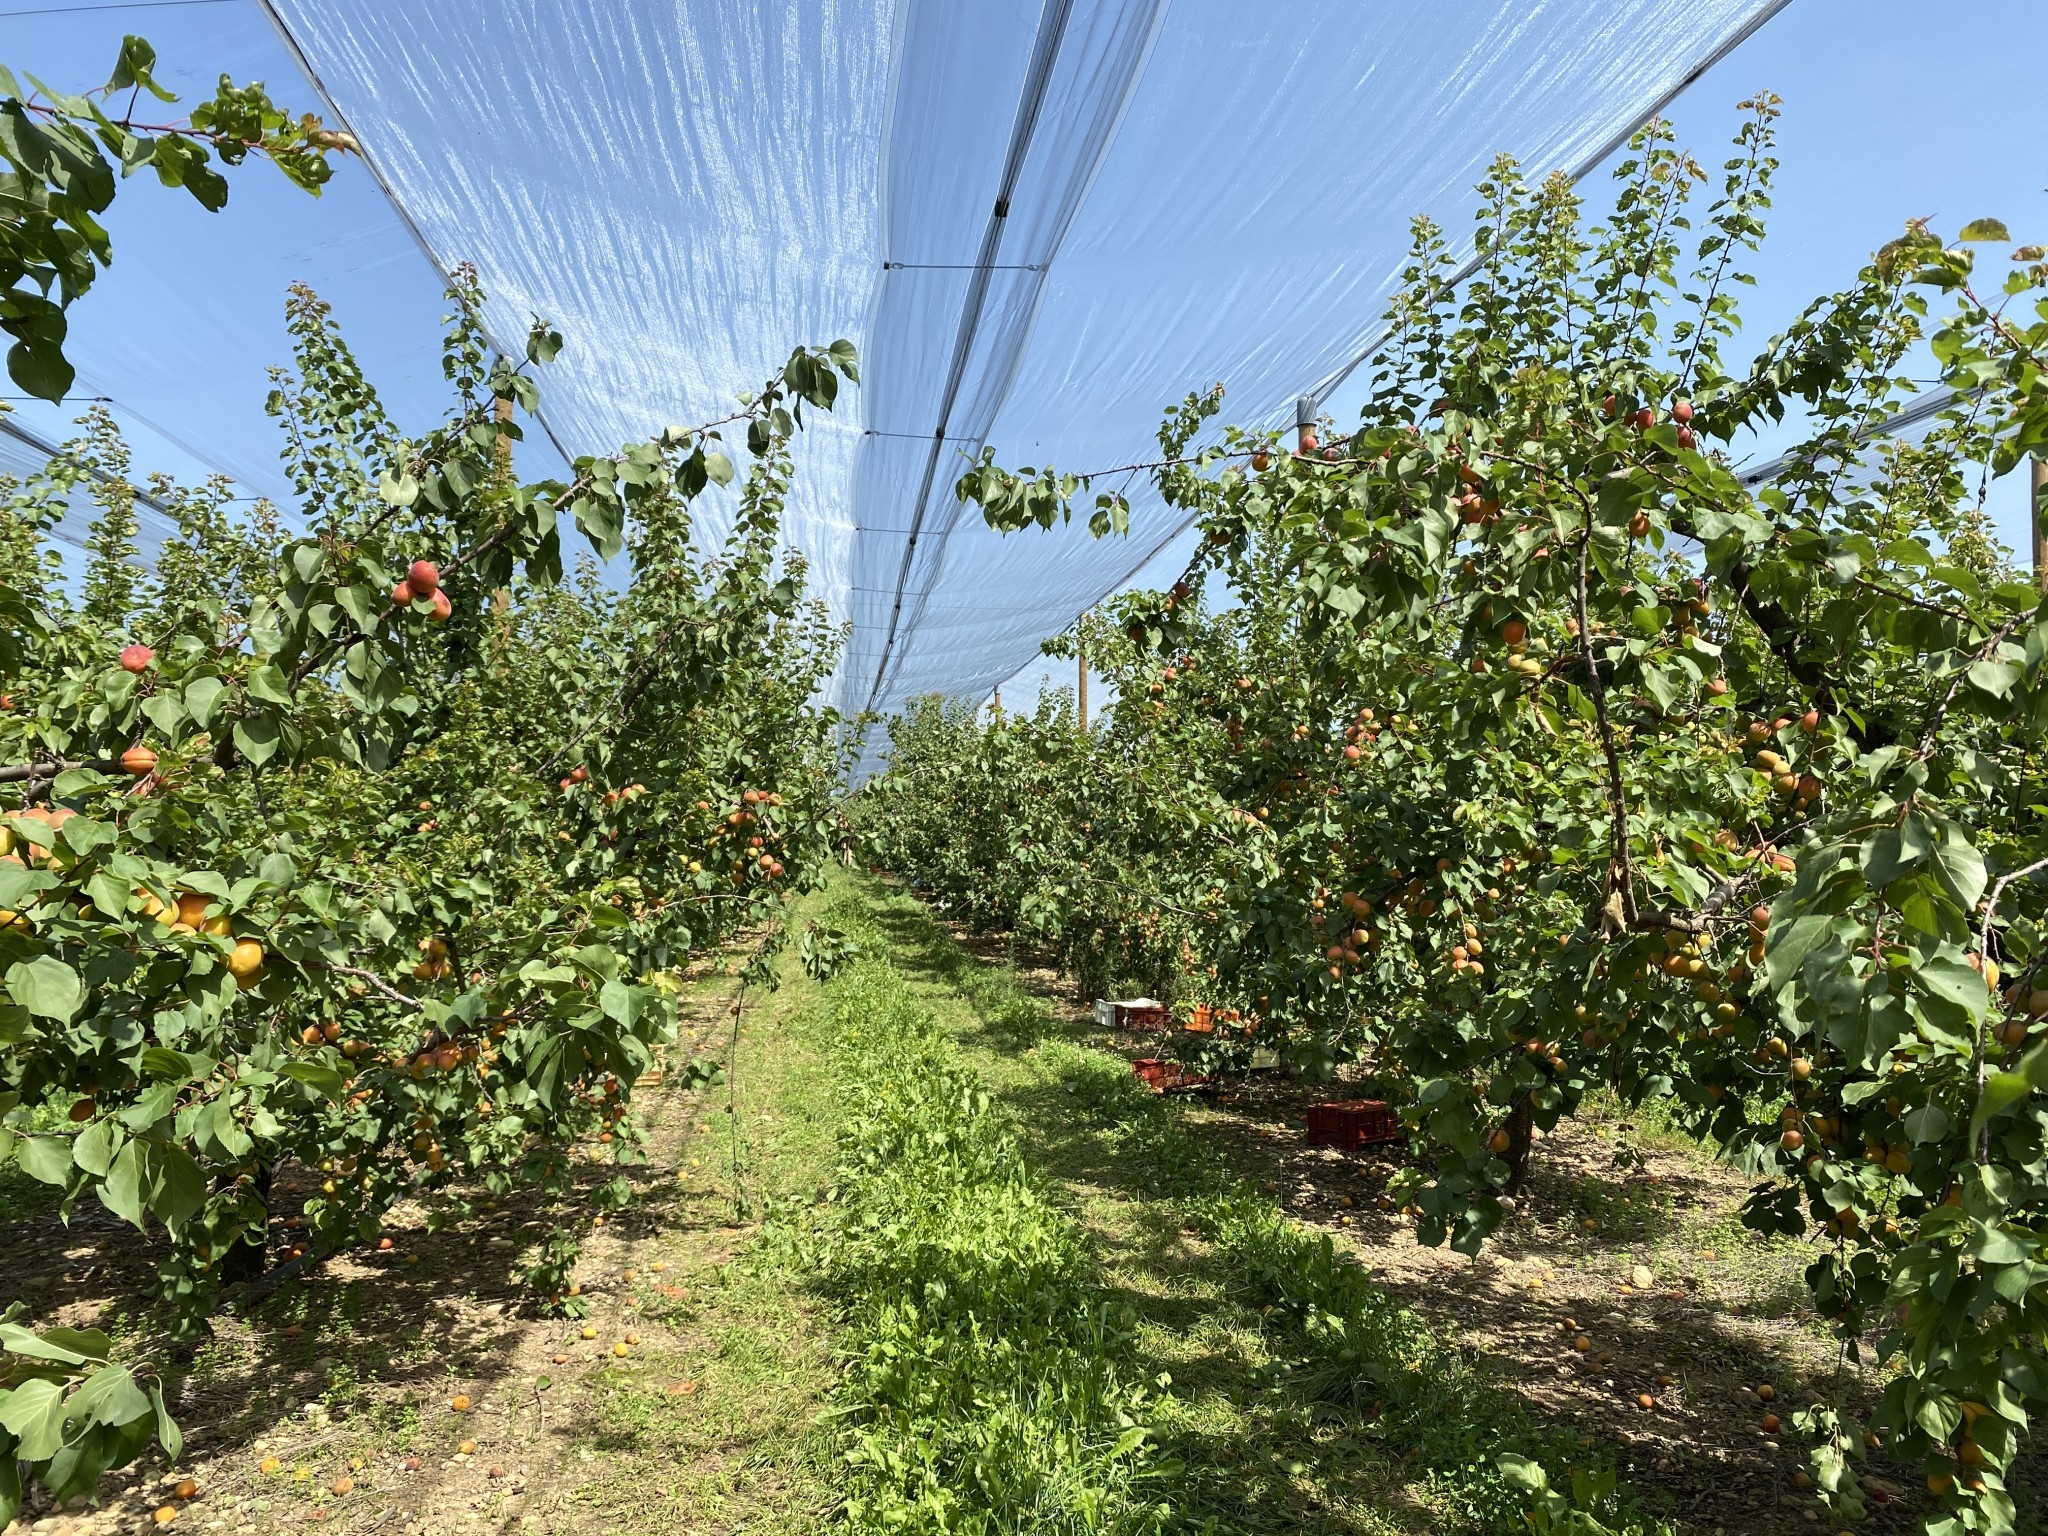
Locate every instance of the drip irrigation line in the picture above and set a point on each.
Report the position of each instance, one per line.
(1038, 80)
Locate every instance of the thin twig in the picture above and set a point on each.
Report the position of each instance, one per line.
(374, 980)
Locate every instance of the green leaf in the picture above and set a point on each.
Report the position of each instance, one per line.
(269, 684)
(121, 1190)
(10, 1485)
(1949, 980)
(46, 987)
(109, 1396)
(321, 1079)
(400, 490)
(621, 1003)
(45, 1158)
(37, 364)
(168, 1434)
(2002, 1090)
(19, 884)
(93, 1149)
(133, 68)
(1983, 230)
(34, 1414)
(256, 739)
(1960, 867)
(178, 1191)
(202, 696)
(66, 1346)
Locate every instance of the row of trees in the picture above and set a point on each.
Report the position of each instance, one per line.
(1510, 743)
(367, 838)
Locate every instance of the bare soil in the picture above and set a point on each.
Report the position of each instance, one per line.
(330, 1400)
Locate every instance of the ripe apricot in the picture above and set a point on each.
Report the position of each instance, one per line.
(245, 961)
(459, 1402)
(1770, 1423)
(186, 1488)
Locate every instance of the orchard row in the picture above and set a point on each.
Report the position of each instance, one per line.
(366, 836)
(1511, 747)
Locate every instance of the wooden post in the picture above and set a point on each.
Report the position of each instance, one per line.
(2039, 510)
(1081, 650)
(999, 706)
(501, 599)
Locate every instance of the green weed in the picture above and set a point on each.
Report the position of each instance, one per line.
(988, 1380)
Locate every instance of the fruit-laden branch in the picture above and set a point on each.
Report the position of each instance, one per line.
(1980, 1065)
(17, 772)
(1618, 909)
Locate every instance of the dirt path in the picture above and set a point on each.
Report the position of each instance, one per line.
(406, 1391)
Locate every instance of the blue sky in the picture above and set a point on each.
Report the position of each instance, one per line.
(1886, 117)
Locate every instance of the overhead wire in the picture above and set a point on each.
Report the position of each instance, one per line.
(1038, 79)
(1321, 391)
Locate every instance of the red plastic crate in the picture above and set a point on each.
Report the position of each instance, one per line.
(1163, 1076)
(1353, 1124)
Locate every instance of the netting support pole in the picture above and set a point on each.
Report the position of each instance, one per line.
(1081, 651)
(2039, 505)
(1304, 421)
(999, 706)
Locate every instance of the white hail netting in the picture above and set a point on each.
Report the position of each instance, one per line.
(1190, 191)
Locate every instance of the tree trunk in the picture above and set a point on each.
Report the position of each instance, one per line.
(244, 1261)
(1520, 1124)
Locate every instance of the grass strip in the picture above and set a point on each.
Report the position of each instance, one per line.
(988, 1383)
(1471, 1454)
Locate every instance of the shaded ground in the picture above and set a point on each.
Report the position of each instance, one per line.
(1628, 1237)
(686, 1401)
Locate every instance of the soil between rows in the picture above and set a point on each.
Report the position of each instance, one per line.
(345, 1375)
(1628, 1234)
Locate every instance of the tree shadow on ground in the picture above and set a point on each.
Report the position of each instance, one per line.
(1699, 1454)
(365, 1337)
